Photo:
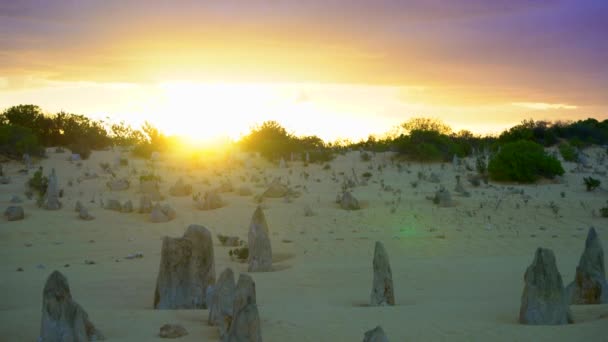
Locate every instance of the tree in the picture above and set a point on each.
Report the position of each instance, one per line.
(427, 125)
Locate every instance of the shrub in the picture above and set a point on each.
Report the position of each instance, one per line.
(320, 156)
(38, 183)
(149, 177)
(523, 161)
(365, 157)
(17, 140)
(239, 253)
(367, 175)
(591, 183)
(568, 152)
(604, 212)
(480, 165)
(83, 149)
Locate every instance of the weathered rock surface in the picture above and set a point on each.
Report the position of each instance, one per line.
(180, 189)
(118, 184)
(63, 320)
(113, 204)
(186, 269)
(151, 188)
(348, 201)
(260, 250)
(83, 214)
(127, 207)
(221, 301)
(172, 331)
(375, 335)
(14, 213)
(245, 324)
(52, 193)
(231, 241)
(589, 285)
(162, 213)
(382, 286)
(145, 204)
(276, 190)
(443, 198)
(544, 301)
(211, 200)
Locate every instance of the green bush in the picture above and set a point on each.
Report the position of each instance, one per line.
(591, 183)
(83, 149)
(149, 177)
(523, 161)
(568, 152)
(320, 156)
(365, 157)
(17, 140)
(38, 183)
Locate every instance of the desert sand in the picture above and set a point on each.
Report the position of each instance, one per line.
(457, 271)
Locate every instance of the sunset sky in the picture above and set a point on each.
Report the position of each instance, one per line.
(332, 68)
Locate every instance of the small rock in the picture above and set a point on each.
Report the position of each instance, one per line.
(375, 335)
(172, 331)
(14, 213)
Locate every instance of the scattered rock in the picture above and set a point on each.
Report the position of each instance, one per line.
(172, 331)
(308, 211)
(231, 241)
(186, 269)
(151, 188)
(52, 193)
(443, 198)
(211, 200)
(260, 250)
(162, 213)
(589, 285)
(113, 204)
(375, 335)
(62, 318)
(83, 214)
(145, 204)
(348, 201)
(78, 206)
(276, 190)
(127, 207)
(544, 301)
(137, 255)
(221, 301)
(118, 184)
(14, 213)
(245, 323)
(180, 189)
(382, 286)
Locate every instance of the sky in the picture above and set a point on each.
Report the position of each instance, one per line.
(332, 68)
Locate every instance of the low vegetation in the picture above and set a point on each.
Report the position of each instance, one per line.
(591, 183)
(523, 161)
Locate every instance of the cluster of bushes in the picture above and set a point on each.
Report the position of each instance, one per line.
(568, 152)
(26, 129)
(273, 142)
(17, 140)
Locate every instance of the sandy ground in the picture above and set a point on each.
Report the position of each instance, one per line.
(458, 272)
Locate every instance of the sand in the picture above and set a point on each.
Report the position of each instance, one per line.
(457, 272)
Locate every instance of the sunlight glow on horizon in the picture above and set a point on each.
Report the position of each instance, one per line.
(207, 113)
